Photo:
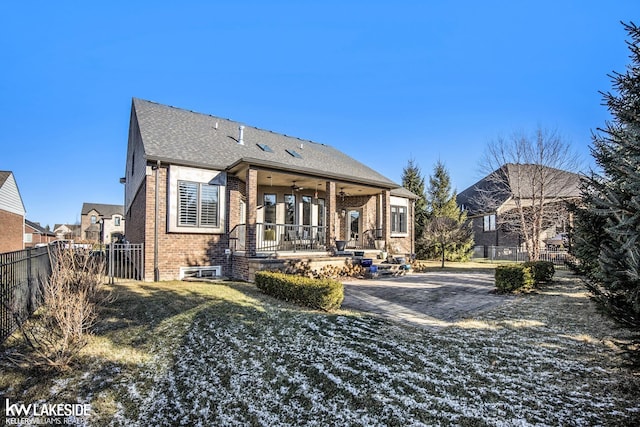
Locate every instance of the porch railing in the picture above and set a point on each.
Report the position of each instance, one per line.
(370, 237)
(290, 237)
(237, 238)
(281, 237)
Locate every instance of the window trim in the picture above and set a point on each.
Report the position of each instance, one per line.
(399, 227)
(274, 206)
(287, 205)
(200, 220)
(199, 176)
(492, 224)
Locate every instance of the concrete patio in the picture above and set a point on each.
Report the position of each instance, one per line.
(432, 299)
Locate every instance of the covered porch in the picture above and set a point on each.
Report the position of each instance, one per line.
(281, 213)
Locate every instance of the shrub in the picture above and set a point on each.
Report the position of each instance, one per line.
(510, 278)
(542, 271)
(61, 327)
(324, 294)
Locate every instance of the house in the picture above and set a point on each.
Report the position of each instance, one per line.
(101, 223)
(67, 231)
(491, 203)
(35, 235)
(12, 214)
(212, 195)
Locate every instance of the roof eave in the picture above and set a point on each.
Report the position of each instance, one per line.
(250, 161)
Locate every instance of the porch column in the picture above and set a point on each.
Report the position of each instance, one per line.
(252, 211)
(386, 215)
(330, 200)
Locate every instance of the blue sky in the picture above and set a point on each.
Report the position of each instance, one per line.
(382, 81)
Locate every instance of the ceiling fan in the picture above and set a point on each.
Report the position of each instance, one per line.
(294, 187)
(342, 193)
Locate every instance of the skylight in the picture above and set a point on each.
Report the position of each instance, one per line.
(294, 153)
(265, 147)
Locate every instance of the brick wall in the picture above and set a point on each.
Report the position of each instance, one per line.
(135, 227)
(367, 206)
(175, 250)
(11, 231)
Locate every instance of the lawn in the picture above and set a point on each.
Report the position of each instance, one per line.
(206, 354)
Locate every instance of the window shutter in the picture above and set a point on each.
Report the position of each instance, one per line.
(187, 203)
(209, 206)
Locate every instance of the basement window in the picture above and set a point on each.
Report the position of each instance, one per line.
(205, 271)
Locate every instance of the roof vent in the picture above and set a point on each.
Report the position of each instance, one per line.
(241, 135)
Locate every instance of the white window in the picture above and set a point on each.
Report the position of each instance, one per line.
(398, 219)
(116, 221)
(489, 222)
(196, 200)
(198, 204)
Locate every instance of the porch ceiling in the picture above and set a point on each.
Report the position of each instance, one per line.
(280, 179)
(307, 182)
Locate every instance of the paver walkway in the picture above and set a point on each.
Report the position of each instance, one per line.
(432, 299)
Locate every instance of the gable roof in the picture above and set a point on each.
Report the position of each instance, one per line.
(38, 228)
(10, 198)
(518, 180)
(179, 136)
(103, 209)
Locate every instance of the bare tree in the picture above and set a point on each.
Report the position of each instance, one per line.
(529, 179)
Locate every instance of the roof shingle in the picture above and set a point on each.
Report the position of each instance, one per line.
(185, 137)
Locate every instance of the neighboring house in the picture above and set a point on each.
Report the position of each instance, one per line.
(101, 223)
(490, 203)
(207, 193)
(12, 214)
(35, 235)
(68, 231)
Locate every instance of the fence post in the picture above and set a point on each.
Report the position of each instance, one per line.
(111, 263)
(30, 308)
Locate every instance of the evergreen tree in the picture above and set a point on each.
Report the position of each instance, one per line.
(609, 225)
(447, 234)
(441, 202)
(413, 181)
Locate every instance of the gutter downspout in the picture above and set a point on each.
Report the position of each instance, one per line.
(156, 270)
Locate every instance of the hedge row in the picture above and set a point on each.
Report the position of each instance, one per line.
(542, 271)
(521, 277)
(324, 294)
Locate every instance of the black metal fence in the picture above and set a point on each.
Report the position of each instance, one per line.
(22, 278)
(514, 254)
(125, 261)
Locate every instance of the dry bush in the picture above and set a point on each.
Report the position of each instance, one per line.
(303, 268)
(60, 328)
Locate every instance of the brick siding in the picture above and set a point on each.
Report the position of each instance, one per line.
(11, 231)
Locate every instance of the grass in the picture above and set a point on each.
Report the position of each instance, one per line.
(182, 353)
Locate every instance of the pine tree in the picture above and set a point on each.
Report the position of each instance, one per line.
(447, 234)
(413, 181)
(612, 199)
